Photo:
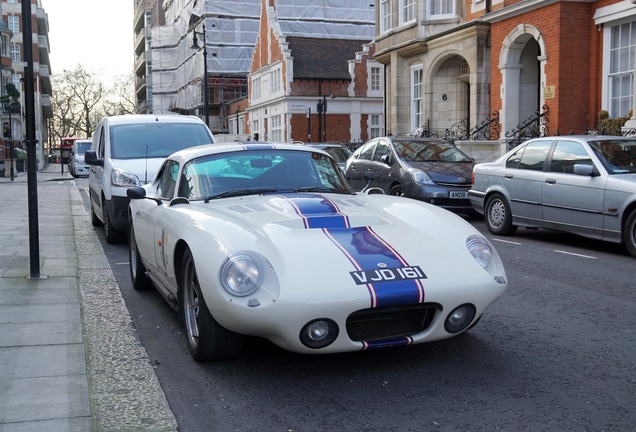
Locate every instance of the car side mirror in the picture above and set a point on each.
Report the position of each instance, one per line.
(385, 159)
(584, 170)
(135, 193)
(90, 158)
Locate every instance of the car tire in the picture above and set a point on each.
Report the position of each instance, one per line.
(629, 233)
(112, 235)
(397, 190)
(138, 275)
(94, 219)
(498, 216)
(207, 339)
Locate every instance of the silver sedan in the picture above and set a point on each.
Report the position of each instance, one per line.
(585, 185)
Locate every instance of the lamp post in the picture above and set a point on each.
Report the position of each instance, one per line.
(195, 45)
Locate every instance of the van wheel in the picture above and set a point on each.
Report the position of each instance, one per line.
(629, 233)
(94, 219)
(112, 235)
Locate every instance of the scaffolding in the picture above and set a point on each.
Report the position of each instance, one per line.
(231, 31)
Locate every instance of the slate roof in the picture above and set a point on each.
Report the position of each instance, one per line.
(320, 58)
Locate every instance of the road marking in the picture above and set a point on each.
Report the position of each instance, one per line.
(123, 263)
(575, 254)
(505, 241)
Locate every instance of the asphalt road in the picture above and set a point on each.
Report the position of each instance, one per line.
(555, 353)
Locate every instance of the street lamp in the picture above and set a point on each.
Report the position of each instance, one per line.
(195, 45)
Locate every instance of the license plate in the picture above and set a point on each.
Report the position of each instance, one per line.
(458, 194)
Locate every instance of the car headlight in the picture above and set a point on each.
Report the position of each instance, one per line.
(420, 176)
(241, 275)
(486, 255)
(123, 178)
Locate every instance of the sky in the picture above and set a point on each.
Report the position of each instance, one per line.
(97, 34)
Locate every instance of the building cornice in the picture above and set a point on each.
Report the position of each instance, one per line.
(521, 8)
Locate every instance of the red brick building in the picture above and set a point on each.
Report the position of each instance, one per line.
(311, 82)
(556, 61)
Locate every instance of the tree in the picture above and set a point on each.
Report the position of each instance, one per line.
(76, 101)
(121, 97)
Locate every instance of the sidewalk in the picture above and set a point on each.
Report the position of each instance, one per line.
(70, 357)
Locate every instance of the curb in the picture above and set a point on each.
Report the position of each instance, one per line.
(124, 391)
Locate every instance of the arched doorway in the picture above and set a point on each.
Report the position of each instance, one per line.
(449, 96)
(522, 65)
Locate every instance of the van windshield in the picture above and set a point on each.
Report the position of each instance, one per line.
(82, 147)
(155, 140)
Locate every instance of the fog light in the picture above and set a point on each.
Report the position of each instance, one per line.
(319, 333)
(459, 318)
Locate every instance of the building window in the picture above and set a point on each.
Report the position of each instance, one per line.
(276, 129)
(621, 68)
(376, 128)
(17, 81)
(417, 93)
(4, 46)
(12, 1)
(385, 16)
(375, 79)
(407, 11)
(441, 9)
(16, 55)
(14, 23)
(256, 88)
(275, 81)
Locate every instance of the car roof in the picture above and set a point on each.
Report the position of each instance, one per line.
(151, 118)
(208, 149)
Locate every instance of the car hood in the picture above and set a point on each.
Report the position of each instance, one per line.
(446, 172)
(624, 182)
(334, 238)
(144, 169)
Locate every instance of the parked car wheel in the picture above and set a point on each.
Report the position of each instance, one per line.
(207, 339)
(112, 235)
(499, 216)
(629, 233)
(397, 190)
(138, 275)
(94, 219)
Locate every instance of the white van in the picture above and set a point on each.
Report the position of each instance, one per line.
(76, 165)
(127, 151)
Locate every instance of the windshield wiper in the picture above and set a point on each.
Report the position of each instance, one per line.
(240, 192)
(321, 189)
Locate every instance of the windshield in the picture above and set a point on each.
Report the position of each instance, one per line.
(429, 151)
(618, 156)
(260, 171)
(155, 140)
(82, 147)
(340, 154)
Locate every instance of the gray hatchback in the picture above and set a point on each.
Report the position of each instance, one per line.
(585, 185)
(426, 169)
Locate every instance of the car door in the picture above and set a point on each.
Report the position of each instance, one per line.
(360, 163)
(95, 185)
(166, 185)
(571, 200)
(523, 177)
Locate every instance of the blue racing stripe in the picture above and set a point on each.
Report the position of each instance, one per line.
(387, 343)
(369, 252)
(317, 211)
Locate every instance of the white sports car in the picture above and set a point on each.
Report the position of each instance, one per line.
(270, 240)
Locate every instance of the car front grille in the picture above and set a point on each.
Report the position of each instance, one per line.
(370, 325)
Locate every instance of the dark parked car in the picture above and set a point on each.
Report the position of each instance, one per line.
(585, 185)
(337, 151)
(426, 169)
